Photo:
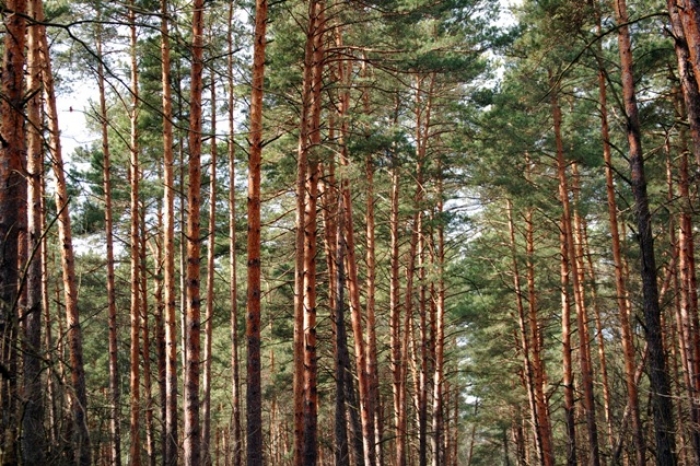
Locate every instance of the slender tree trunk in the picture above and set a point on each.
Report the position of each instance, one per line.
(146, 343)
(114, 388)
(395, 317)
(304, 449)
(423, 121)
(588, 268)
(135, 306)
(51, 397)
(370, 259)
(372, 366)
(34, 435)
(438, 426)
(235, 382)
(160, 327)
(570, 269)
(354, 292)
(192, 446)
(12, 196)
(620, 283)
(342, 453)
(539, 370)
(356, 320)
(681, 330)
(170, 421)
(311, 141)
(525, 340)
(661, 394)
(253, 394)
(209, 311)
(568, 378)
(81, 439)
(688, 294)
(577, 263)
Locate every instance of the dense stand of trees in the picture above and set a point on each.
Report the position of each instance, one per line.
(455, 242)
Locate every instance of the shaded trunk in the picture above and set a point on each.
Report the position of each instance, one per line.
(356, 320)
(353, 287)
(34, 435)
(12, 223)
(661, 394)
(159, 329)
(342, 452)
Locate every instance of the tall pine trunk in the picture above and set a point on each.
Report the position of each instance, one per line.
(235, 382)
(192, 446)
(209, 311)
(34, 434)
(135, 305)
(79, 406)
(620, 282)
(662, 406)
(12, 196)
(169, 193)
(114, 388)
(253, 394)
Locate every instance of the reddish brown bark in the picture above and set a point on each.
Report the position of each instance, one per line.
(689, 83)
(253, 393)
(620, 280)
(689, 15)
(357, 450)
(356, 321)
(192, 446)
(688, 332)
(304, 285)
(81, 439)
(315, 36)
(566, 276)
(12, 224)
(525, 339)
